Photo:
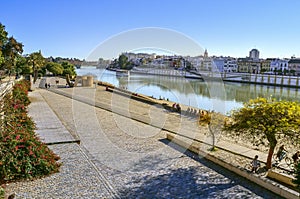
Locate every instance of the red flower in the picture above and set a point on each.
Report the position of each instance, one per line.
(17, 137)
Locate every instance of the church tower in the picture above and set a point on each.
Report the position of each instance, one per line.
(205, 54)
(206, 64)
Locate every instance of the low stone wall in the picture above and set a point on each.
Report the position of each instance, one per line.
(281, 177)
(264, 182)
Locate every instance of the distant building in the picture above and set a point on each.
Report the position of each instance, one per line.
(195, 61)
(294, 66)
(230, 66)
(206, 63)
(279, 65)
(225, 64)
(254, 54)
(265, 65)
(248, 65)
(133, 56)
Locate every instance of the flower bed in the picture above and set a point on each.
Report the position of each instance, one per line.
(22, 154)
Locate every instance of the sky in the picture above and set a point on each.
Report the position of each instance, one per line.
(75, 28)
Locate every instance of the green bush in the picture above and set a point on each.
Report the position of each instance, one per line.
(22, 154)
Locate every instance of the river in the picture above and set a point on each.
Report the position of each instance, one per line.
(214, 95)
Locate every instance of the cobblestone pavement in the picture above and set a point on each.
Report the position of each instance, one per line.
(123, 158)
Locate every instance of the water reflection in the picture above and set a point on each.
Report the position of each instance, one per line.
(214, 95)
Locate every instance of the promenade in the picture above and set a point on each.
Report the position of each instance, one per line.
(123, 151)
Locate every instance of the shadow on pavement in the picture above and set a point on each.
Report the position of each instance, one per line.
(206, 181)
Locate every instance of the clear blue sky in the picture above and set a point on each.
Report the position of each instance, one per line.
(73, 28)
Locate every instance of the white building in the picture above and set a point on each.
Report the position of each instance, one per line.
(279, 65)
(195, 61)
(230, 66)
(225, 64)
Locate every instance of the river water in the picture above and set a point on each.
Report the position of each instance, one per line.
(214, 95)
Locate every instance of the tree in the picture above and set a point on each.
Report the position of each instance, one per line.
(22, 66)
(266, 121)
(55, 68)
(10, 48)
(68, 69)
(123, 61)
(3, 40)
(214, 122)
(3, 35)
(37, 61)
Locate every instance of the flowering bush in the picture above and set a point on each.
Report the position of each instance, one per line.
(22, 154)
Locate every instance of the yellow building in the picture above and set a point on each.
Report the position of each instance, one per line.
(248, 65)
(265, 65)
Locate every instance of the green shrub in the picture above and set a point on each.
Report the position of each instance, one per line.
(22, 154)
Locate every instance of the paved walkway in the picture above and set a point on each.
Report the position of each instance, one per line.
(121, 158)
(49, 127)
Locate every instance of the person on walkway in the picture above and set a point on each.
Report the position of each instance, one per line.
(174, 107)
(46, 85)
(178, 108)
(281, 153)
(255, 164)
(296, 157)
